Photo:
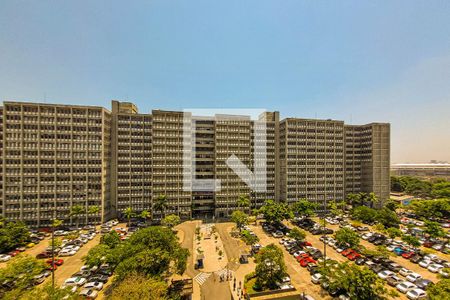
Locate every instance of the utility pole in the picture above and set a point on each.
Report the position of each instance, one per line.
(324, 235)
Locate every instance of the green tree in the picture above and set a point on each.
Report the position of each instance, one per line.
(270, 267)
(335, 208)
(171, 221)
(441, 189)
(160, 205)
(13, 235)
(275, 212)
(47, 292)
(240, 218)
(393, 232)
(364, 214)
(411, 240)
(440, 290)
(347, 237)
(128, 213)
(94, 209)
(20, 272)
(434, 229)
(380, 251)
(353, 199)
(392, 205)
(76, 211)
(97, 255)
(387, 217)
(145, 215)
(136, 286)
(297, 234)
(304, 208)
(243, 203)
(111, 239)
(249, 238)
(359, 283)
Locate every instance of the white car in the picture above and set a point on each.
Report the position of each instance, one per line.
(405, 272)
(435, 268)
(90, 294)
(391, 247)
(339, 250)
(72, 281)
(5, 257)
(425, 263)
(415, 294)
(385, 274)
(96, 285)
(298, 253)
(405, 286)
(366, 235)
(286, 286)
(413, 277)
(66, 252)
(444, 274)
(316, 278)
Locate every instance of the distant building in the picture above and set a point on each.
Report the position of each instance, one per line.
(55, 156)
(426, 171)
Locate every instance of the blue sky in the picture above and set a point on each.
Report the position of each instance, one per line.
(358, 61)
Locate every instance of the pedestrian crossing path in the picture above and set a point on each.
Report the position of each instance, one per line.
(224, 272)
(201, 277)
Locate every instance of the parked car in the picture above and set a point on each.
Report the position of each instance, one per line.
(405, 272)
(425, 263)
(423, 283)
(435, 268)
(89, 294)
(413, 277)
(415, 294)
(405, 286)
(72, 281)
(57, 261)
(97, 285)
(385, 274)
(4, 257)
(393, 280)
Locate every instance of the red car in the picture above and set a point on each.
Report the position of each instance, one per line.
(52, 267)
(57, 262)
(428, 244)
(353, 256)
(14, 253)
(347, 251)
(304, 262)
(408, 255)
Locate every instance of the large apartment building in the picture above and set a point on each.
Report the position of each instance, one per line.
(54, 157)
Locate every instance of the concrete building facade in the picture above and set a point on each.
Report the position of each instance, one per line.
(57, 156)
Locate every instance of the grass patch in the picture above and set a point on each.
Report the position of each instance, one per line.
(248, 285)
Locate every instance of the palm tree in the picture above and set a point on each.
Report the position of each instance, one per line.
(243, 202)
(145, 214)
(128, 212)
(76, 211)
(373, 200)
(94, 209)
(161, 205)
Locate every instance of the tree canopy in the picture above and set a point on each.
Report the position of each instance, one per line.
(275, 212)
(270, 267)
(440, 290)
(171, 221)
(240, 218)
(297, 234)
(347, 237)
(13, 235)
(359, 282)
(304, 208)
(135, 286)
(20, 273)
(152, 251)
